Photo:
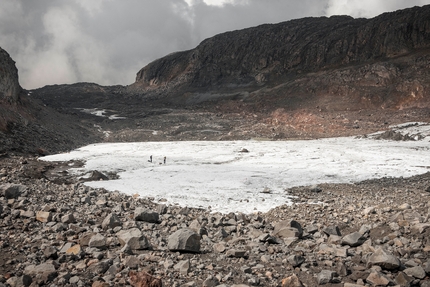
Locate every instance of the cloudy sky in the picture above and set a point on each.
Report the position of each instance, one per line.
(109, 41)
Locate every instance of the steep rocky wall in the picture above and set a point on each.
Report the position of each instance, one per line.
(9, 85)
(273, 53)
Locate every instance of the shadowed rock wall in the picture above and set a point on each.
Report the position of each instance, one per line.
(9, 85)
(278, 52)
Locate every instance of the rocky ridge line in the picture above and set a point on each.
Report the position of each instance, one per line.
(278, 52)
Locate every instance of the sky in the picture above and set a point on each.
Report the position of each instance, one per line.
(109, 41)
(218, 176)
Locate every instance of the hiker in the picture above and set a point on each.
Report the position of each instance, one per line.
(164, 160)
(150, 158)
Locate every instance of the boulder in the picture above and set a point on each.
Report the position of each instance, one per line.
(45, 272)
(85, 238)
(133, 238)
(68, 218)
(144, 279)
(353, 239)
(100, 267)
(75, 249)
(111, 221)
(416, 272)
(43, 216)
(383, 259)
(183, 267)
(50, 252)
(144, 214)
(292, 281)
(403, 280)
(97, 241)
(332, 230)
(295, 260)
(288, 228)
(11, 191)
(325, 277)
(378, 279)
(184, 240)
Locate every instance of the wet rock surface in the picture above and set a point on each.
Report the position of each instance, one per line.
(372, 233)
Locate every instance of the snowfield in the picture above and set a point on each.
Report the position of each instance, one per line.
(223, 177)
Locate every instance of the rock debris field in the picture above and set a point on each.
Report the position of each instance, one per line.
(56, 232)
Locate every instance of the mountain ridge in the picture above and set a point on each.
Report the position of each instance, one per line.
(272, 53)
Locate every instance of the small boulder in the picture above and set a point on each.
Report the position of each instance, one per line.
(292, 281)
(295, 260)
(378, 279)
(332, 230)
(184, 240)
(383, 259)
(325, 277)
(416, 272)
(133, 238)
(97, 241)
(143, 214)
(68, 218)
(144, 279)
(43, 216)
(12, 191)
(288, 228)
(353, 239)
(111, 221)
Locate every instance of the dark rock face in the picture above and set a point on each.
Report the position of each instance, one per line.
(9, 85)
(285, 53)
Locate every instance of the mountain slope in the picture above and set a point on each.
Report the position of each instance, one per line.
(27, 126)
(339, 54)
(305, 78)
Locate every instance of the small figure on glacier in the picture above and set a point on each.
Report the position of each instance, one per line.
(164, 160)
(150, 158)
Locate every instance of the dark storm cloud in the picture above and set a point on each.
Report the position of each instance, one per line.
(108, 41)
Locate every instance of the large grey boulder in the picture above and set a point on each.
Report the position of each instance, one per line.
(144, 214)
(133, 238)
(416, 272)
(184, 240)
(97, 241)
(325, 277)
(354, 239)
(44, 272)
(288, 228)
(12, 190)
(332, 230)
(111, 221)
(383, 259)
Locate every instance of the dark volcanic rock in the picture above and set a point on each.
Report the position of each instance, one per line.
(280, 53)
(10, 89)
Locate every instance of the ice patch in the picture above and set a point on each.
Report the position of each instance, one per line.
(217, 175)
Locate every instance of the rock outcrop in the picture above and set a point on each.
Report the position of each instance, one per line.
(383, 61)
(10, 89)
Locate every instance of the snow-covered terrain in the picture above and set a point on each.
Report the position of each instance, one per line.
(224, 177)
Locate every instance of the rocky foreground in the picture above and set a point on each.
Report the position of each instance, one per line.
(61, 233)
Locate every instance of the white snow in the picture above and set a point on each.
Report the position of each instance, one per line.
(217, 175)
(101, 113)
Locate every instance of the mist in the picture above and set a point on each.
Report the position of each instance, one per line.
(109, 41)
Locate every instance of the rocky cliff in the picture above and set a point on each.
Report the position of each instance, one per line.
(26, 126)
(385, 59)
(9, 84)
